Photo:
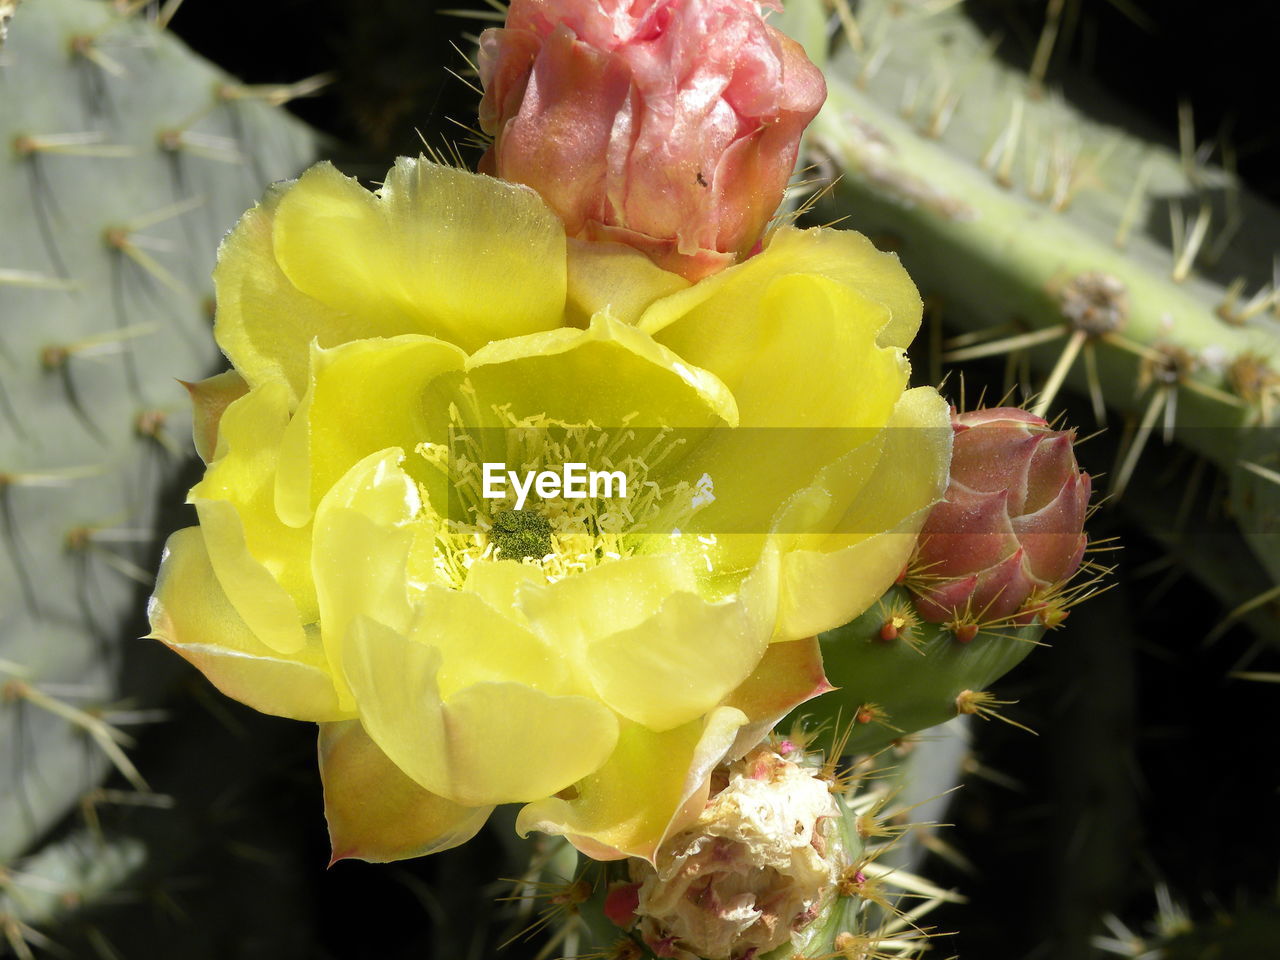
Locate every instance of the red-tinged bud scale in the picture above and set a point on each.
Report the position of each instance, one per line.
(668, 125)
(1011, 525)
(620, 904)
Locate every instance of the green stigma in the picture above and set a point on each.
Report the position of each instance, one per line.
(520, 534)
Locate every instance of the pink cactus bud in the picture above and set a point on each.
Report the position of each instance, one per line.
(1011, 525)
(669, 125)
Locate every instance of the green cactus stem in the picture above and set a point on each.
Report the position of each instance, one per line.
(123, 159)
(896, 674)
(1138, 274)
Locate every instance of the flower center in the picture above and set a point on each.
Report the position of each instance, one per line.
(521, 534)
(559, 535)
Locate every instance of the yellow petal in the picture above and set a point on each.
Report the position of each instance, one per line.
(618, 376)
(480, 643)
(263, 565)
(789, 674)
(266, 607)
(651, 786)
(363, 397)
(378, 814)
(511, 743)
(844, 256)
(678, 664)
(488, 743)
(614, 278)
(499, 582)
(209, 398)
(811, 386)
(360, 550)
(191, 615)
(264, 323)
(575, 612)
(797, 350)
(843, 573)
(439, 251)
(394, 684)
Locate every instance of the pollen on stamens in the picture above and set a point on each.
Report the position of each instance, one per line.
(559, 536)
(521, 535)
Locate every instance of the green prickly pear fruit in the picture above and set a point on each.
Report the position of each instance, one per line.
(991, 571)
(1010, 528)
(896, 673)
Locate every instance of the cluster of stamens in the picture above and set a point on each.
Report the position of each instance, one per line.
(560, 536)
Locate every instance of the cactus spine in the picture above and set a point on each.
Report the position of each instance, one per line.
(123, 158)
(870, 908)
(1041, 232)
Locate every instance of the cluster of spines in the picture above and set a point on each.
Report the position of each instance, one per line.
(910, 123)
(898, 674)
(123, 159)
(874, 910)
(1145, 276)
(1248, 929)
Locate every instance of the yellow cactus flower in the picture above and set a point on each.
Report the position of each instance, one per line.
(464, 641)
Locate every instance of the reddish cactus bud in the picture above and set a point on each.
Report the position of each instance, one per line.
(620, 904)
(669, 125)
(1011, 525)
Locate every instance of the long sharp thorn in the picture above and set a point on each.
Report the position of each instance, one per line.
(1187, 142)
(167, 13)
(1044, 48)
(1261, 471)
(1065, 360)
(1007, 345)
(1095, 384)
(1248, 606)
(1191, 244)
(1131, 207)
(1159, 398)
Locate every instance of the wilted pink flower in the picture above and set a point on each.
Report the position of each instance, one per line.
(1011, 523)
(756, 866)
(669, 125)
